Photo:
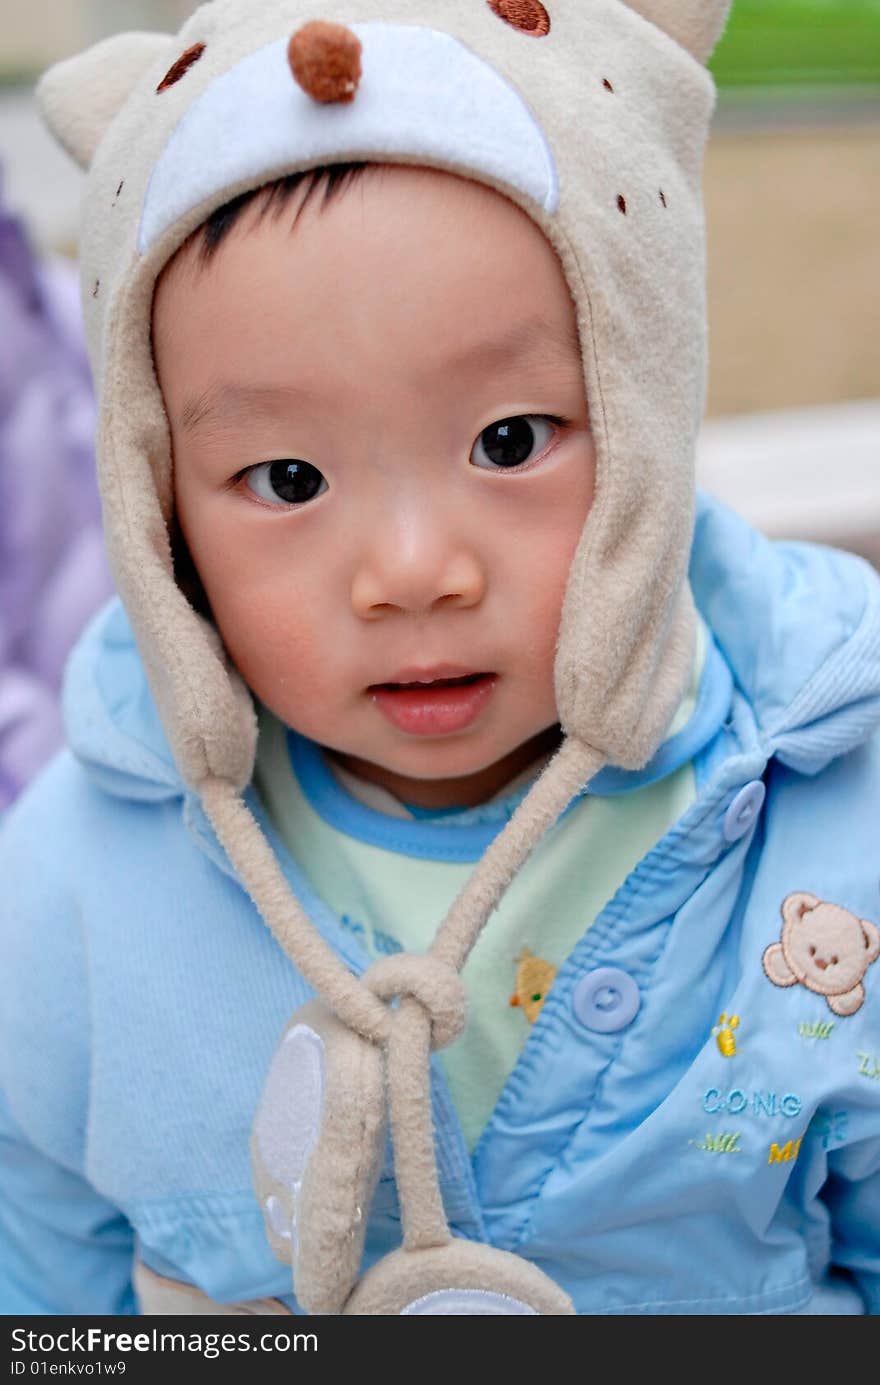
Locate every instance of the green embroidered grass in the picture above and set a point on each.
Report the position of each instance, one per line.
(815, 1029)
(727, 1143)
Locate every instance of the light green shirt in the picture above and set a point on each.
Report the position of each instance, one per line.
(393, 900)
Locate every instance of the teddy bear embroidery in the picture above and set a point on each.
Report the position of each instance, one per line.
(824, 947)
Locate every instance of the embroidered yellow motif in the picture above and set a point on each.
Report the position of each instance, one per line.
(534, 977)
(723, 1032)
(786, 1154)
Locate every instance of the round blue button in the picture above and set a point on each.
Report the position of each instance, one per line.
(606, 1000)
(743, 810)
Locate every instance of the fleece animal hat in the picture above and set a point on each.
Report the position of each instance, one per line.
(591, 115)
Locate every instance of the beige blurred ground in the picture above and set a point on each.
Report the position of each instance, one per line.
(794, 265)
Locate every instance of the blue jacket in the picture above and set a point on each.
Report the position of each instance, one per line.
(717, 1151)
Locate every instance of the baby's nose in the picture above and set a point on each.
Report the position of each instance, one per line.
(325, 60)
(416, 585)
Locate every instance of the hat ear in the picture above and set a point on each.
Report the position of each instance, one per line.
(79, 97)
(696, 24)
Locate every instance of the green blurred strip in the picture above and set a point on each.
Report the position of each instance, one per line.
(800, 42)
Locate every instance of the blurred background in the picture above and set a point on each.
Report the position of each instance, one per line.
(792, 435)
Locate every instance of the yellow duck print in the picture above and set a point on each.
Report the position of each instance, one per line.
(534, 977)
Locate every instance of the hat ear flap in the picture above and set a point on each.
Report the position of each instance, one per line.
(696, 24)
(79, 97)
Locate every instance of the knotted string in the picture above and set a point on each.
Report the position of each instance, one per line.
(431, 1009)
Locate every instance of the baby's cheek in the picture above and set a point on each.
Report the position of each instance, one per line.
(547, 597)
(273, 638)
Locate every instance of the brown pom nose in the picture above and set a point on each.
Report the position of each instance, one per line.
(325, 60)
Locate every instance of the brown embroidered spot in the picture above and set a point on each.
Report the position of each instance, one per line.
(182, 66)
(96, 288)
(529, 16)
(606, 84)
(663, 197)
(621, 203)
(325, 60)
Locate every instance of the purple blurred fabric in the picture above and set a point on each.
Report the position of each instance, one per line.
(53, 572)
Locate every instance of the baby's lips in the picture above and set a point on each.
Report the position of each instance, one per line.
(434, 685)
(415, 676)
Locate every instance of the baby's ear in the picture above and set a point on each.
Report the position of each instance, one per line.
(79, 97)
(696, 24)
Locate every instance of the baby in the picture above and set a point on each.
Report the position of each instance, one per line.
(433, 718)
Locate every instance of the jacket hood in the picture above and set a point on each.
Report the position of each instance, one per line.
(797, 624)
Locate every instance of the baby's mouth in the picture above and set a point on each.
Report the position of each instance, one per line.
(466, 680)
(434, 706)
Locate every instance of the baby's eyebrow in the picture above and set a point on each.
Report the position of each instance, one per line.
(537, 336)
(535, 339)
(221, 400)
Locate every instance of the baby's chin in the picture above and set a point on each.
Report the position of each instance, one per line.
(444, 775)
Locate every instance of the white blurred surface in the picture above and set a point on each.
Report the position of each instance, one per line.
(800, 473)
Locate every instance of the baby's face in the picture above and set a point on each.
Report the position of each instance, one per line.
(383, 464)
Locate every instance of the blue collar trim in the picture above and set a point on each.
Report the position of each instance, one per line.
(447, 841)
(463, 836)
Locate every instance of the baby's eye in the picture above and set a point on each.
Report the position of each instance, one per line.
(512, 441)
(286, 483)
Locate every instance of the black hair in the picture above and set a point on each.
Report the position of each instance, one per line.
(334, 178)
